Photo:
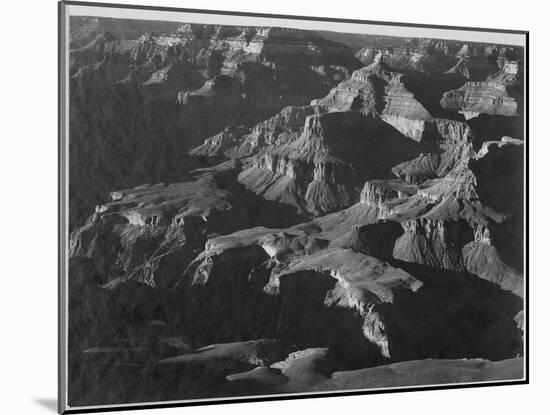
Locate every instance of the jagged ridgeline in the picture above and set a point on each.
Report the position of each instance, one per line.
(267, 210)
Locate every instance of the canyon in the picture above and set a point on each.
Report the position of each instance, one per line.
(264, 210)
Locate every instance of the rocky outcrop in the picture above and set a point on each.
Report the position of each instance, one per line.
(238, 142)
(482, 259)
(324, 168)
(136, 236)
(314, 369)
(428, 242)
(436, 199)
(315, 157)
(490, 72)
(420, 169)
(455, 222)
(398, 98)
(497, 92)
(376, 89)
(329, 285)
(273, 268)
(376, 192)
(142, 232)
(262, 352)
(476, 98)
(190, 84)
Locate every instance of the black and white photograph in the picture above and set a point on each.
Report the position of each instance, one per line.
(266, 208)
(256, 206)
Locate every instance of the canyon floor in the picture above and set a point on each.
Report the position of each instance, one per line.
(261, 210)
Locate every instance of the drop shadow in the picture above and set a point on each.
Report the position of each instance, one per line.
(49, 403)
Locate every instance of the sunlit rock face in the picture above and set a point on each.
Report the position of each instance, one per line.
(476, 98)
(257, 210)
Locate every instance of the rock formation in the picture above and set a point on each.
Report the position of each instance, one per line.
(189, 84)
(255, 210)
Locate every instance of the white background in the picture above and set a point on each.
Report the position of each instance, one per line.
(28, 203)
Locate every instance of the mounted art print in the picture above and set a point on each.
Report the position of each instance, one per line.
(259, 207)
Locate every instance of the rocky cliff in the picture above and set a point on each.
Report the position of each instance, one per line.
(189, 84)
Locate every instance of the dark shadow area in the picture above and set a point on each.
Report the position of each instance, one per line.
(454, 315)
(428, 90)
(493, 127)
